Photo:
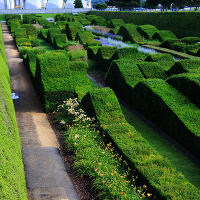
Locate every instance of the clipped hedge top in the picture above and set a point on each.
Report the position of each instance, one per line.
(115, 23)
(106, 52)
(164, 35)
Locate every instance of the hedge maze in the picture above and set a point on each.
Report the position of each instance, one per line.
(121, 162)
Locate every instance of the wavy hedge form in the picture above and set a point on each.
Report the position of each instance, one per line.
(53, 79)
(153, 169)
(163, 35)
(147, 31)
(113, 23)
(188, 84)
(12, 178)
(170, 110)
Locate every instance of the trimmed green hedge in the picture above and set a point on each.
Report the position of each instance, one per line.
(163, 35)
(53, 79)
(31, 60)
(20, 33)
(180, 23)
(44, 33)
(62, 26)
(165, 60)
(31, 31)
(162, 178)
(12, 177)
(170, 110)
(184, 66)
(23, 42)
(188, 84)
(13, 24)
(77, 55)
(78, 66)
(100, 21)
(122, 76)
(115, 30)
(29, 19)
(147, 31)
(51, 33)
(113, 23)
(84, 37)
(72, 28)
(129, 33)
(152, 70)
(104, 57)
(190, 40)
(92, 52)
(60, 41)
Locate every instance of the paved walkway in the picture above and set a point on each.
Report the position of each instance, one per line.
(46, 177)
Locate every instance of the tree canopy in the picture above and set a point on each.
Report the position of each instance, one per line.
(78, 4)
(124, 3)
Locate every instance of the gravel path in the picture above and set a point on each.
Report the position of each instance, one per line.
(46, 176)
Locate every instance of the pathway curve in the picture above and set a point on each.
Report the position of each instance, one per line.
(46, 176)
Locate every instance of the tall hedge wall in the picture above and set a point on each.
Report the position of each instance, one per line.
(12, 179)
(180, 23)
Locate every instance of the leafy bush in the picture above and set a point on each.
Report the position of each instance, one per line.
(104, 55)
(170, 110)
(31, 60)
(60, 41)
(77, 55)
(184, 66)
(188, 84)
(165, 60)
(20, 33)
(72, 28)
(122, 76)
(162, 178)
(163, 35)
(51, 33)
(129, 33)
(53, 79)
(147, 31)
(113, 23)
(23, 42)
(12, 177)
(29, 19)
(152, 70)
(44, 33)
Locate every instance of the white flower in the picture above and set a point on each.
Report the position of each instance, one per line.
(76, 136)
(62, 122)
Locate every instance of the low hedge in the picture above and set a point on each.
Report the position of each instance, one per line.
(190, 40)
(163, 35)
(62, 26)
(31, 31)
(170, 110)
(77, 55)
(165, 60)
(100, 21)
(84, 37)
(53, 79)
(51, 33)
(152, 169)
(147, 31)
(188, 84)
(78, 66)
(23, 51)
(60, 41)
(20, 33)
(13, 24)
(129, 53)
(184, 66)
(129, 33)
(23, 42)
(31, 60)
(29, 19)
(93, 43)
(122, 76)
(44, 33)
(12, 177)
(104, 57)
(72, 28)
(113, 23)
(152, 70)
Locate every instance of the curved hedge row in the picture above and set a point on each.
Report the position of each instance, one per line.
(153, 169)
(12, 178)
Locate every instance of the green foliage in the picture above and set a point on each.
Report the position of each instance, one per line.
(104, 57)
(170, 110)
(93, 43)
(23, 42)
(62, 26)
(100, 6)
(165, 60)
(20, 33)
(29, 19)
(31, 31)
(60, 41)
(72, 28)
(184, 66)
(152, 70)
(115, 30)
(51, 33)
(12, 16)
(190, 40)
(113, 23)
(31, 60)
(84, 37)
(92, 52)
(129, 33)
(97, 20)
(162, 178)
(63, 17)
(78, 66)
(188, 84)
(78, 4)
(181, 24)
(23, 51)
(77, 55)
(44, 33)
(122, 76)
(12, 177)
(163, 35)
(13, 24)
(53, 79)
(147, 31)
